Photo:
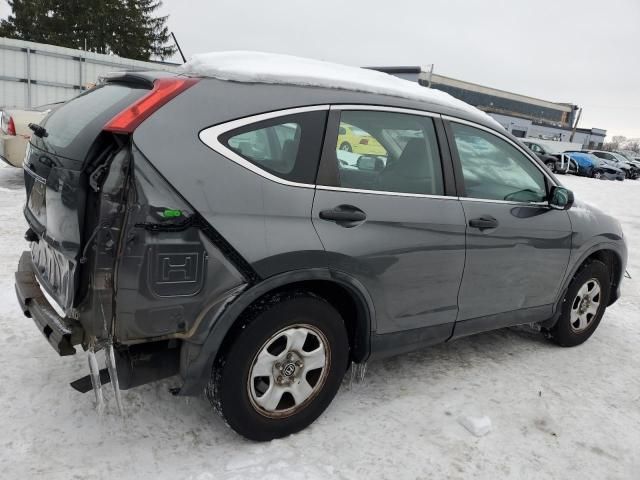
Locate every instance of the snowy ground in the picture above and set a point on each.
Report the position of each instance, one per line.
(556, 413)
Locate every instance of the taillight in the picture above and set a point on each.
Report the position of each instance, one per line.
(164, 89)
(364, 141)
(11, 127)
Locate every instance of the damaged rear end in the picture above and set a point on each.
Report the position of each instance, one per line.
(118, 259)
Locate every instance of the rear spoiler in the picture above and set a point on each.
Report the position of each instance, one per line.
(143, 79)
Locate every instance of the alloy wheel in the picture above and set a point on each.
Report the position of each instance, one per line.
(585, 305)
(288, 371)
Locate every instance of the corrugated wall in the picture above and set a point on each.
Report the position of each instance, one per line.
(33, 74)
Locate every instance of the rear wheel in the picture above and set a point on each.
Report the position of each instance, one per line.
(346, 146)
(551, 166)
(583, 306)
(283, 368)
(597, 174)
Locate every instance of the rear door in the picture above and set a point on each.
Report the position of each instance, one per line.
(517, 247)
(60, 172)
(388, 216)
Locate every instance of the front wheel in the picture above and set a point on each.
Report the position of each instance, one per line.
(583, 306)
(346, 147)
(597, 174)
(283, 368)
(551, 166)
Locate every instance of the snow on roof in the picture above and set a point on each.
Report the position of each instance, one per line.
(260, 67)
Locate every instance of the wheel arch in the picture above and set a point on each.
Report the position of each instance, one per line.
(341, 290)
(606, 253)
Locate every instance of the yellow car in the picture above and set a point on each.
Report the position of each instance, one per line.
(353, 139)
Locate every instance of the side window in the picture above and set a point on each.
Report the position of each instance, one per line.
(288, 146)
(390, 152)
(495, 170)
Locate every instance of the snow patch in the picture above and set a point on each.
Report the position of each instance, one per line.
(478, 426)
(261, 67)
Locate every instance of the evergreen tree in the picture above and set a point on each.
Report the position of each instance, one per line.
(128, 28)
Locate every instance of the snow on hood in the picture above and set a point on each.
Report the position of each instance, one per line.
(260, 67)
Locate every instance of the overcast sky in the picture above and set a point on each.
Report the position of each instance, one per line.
(584, 52)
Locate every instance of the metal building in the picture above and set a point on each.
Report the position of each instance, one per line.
(521, 115)
(33, 74)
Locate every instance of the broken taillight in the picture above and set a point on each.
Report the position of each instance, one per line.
(164, 89)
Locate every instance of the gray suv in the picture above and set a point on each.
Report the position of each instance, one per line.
(214, 231)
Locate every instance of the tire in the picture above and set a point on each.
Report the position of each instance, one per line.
(597, 174)
(574, 327)
(551, 166)
(346, 147)
(244, 398)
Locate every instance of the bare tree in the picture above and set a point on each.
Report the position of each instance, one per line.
(633, 145)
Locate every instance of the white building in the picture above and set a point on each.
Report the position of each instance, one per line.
(521, 115)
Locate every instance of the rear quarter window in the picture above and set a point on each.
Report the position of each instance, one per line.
(288, 146)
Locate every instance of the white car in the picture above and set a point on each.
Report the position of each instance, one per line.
(15, 133)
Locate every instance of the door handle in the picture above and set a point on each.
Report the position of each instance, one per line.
(484, 222)
(344, 215)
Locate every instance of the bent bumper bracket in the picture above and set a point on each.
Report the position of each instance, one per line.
(62, 333)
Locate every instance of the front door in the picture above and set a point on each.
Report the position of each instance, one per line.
(383, 216)
(517, 247)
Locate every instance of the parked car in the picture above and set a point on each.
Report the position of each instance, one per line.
(353, 139)
(631, 157)
(15, 133)
(588, 165)
(630, 171)
(260, 272)
(549, 159)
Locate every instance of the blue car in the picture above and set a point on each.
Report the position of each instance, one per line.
(588, 165)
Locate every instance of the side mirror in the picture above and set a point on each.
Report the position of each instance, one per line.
(560, 198)
(371, 163)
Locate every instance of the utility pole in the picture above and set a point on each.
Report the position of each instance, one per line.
(575, 125)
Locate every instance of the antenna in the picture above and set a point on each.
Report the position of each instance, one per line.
(175, 40)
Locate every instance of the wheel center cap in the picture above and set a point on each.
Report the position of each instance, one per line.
(584, 304)
(289, 369)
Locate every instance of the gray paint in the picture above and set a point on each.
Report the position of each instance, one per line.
(408, 256)
(519, 264)
(417, 272)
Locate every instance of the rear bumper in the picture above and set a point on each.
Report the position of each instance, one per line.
(61, 333)
(12, 149)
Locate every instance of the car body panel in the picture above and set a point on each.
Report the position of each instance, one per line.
(12, 149)
(592, 229)
(409, 254)
(530, 249)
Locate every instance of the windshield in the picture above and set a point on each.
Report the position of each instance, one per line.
(620, 158)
